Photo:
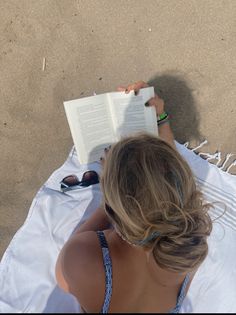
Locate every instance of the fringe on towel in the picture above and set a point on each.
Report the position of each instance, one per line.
(216, 156)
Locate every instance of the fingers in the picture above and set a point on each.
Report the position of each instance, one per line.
(152, 101)
(157, 102)
(102, 161)
(106, 150)
(121, 88)
(135, 86)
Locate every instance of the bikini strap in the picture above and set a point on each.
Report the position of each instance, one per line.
(108, 271)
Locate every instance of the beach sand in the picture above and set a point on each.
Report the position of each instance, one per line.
(53, 51)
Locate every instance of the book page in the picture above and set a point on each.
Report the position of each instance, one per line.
(91, 127)
(129, 115)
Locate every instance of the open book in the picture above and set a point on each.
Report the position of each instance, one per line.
(98, 121)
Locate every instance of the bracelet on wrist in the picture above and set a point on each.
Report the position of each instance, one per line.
(162, 116)
(163, 122)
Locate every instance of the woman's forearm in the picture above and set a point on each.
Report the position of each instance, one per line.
(166, 133)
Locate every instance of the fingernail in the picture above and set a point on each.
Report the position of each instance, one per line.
(146, 104)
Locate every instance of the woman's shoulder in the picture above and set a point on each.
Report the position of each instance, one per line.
(82, 247)
(83, 269)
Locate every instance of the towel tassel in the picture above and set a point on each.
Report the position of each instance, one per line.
(215, 156)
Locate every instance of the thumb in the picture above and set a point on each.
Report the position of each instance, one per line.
(121, 88)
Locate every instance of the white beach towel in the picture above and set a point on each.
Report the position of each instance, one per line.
(27, 269)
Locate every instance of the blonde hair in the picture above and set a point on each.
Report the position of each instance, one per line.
(150, 188)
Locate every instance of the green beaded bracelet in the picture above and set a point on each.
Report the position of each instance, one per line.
(162, 116)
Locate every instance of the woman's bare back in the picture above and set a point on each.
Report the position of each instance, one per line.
(139, 285)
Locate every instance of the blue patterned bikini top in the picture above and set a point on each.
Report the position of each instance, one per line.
(108, 274)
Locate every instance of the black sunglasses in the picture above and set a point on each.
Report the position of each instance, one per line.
(71, 182)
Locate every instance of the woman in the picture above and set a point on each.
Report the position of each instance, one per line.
(146, 260)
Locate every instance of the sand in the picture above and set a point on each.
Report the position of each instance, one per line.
(53, 51)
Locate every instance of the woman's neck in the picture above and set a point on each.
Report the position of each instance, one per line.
(162, 276)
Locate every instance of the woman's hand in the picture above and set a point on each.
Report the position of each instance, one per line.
(155, 101)
(164, 130)
(103, 158)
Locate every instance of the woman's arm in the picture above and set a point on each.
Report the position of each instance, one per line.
(166, 134)
(75, 254)
(164, 129)
(97, 221)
